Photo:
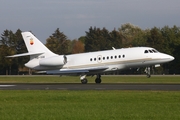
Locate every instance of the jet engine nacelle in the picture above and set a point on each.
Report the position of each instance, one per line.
(53, 61)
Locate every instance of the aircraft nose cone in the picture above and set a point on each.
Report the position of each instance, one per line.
(171, 58)
(167, 58)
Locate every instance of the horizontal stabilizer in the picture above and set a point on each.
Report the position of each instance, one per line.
(25, 54)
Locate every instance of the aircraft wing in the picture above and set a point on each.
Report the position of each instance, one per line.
(77, 71)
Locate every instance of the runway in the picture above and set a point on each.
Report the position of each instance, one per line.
(90, 86)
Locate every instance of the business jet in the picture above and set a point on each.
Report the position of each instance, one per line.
(91, 63)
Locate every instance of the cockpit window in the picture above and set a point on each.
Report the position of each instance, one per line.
(155, 51)
(145, 51)
(150, 51)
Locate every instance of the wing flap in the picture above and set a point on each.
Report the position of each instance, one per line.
(72, 71)
(66, 71)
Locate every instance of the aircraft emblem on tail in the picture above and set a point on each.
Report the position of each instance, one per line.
(31, 41)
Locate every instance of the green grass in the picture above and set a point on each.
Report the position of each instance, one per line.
(89, 105)
(105, 79)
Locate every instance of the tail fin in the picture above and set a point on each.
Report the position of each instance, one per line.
(33, 44)
(40, 55)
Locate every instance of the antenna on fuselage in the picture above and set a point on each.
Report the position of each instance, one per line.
(113, 48)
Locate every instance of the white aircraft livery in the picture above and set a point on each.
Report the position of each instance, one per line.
(91, 63)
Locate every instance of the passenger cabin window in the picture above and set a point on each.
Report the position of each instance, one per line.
(114, 57)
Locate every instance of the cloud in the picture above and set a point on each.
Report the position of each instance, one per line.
(78, 15)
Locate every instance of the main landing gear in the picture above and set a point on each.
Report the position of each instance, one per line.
(148, 72)
(98, 79)
(85, 81)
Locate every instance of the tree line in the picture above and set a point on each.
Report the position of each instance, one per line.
(166, 39)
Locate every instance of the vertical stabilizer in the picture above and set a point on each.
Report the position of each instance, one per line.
(41, 58)
(34, 47)
(33, 44)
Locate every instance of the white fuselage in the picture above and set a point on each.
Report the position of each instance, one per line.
(111, 59)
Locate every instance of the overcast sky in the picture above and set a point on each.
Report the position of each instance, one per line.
(74, 17)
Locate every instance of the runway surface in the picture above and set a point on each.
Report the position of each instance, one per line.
(90, 86)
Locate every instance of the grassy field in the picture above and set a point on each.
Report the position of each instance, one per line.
(89, 104)
(105, 79)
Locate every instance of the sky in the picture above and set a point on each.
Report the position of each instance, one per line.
(74, 17)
